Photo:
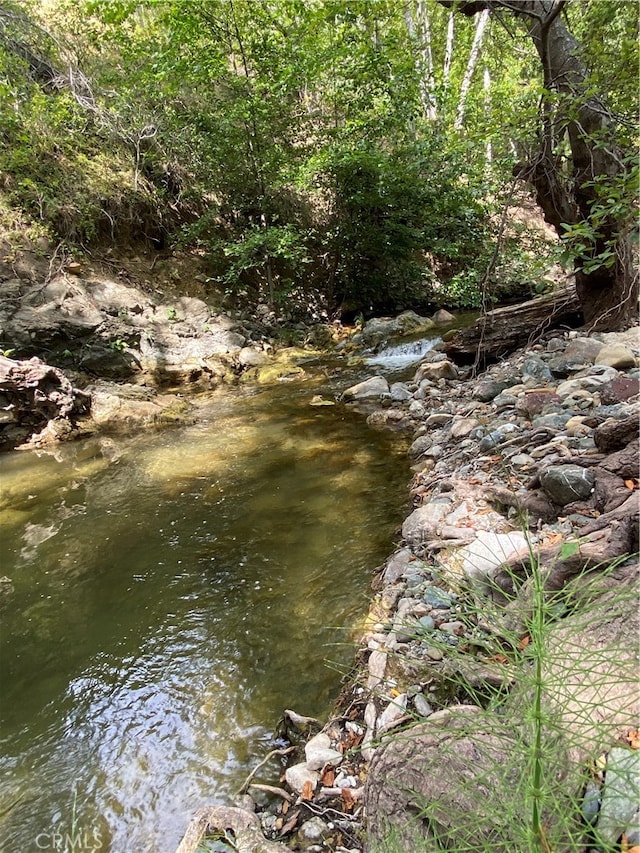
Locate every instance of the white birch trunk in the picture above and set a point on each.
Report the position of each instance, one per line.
(487, 113)
(448, 53)
(427, 79)
(481, 24)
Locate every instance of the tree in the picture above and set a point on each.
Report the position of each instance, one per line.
(584, 182)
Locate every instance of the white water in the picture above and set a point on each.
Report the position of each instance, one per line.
(399, 356)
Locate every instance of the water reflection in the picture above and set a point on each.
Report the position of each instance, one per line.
(172, 594)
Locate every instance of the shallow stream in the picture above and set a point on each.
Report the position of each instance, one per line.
(171, 594)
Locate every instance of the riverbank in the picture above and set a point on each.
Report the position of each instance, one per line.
(500, 649)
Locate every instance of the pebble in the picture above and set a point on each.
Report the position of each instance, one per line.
(422, 706)
(434, 653)
(437, 598)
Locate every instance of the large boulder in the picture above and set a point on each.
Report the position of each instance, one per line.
(382, 329)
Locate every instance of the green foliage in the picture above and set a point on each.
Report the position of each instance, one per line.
(290, 140)
(591, 244)
(400, 221)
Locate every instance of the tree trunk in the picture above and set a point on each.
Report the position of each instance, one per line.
(471, 64)
(608, 294)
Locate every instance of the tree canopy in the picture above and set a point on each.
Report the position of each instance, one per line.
(362, 150)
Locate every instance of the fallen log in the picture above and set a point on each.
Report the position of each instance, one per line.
(503, 330)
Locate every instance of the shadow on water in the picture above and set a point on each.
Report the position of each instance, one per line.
(172, 593)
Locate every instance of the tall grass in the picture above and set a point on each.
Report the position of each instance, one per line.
(526, 770)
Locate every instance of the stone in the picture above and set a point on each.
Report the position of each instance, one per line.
(298, 775)
(496, 437)
(567, 483)
(392, 713)
(522, 460)
(314, 829)
(318, 752)
(442, 317)
(434, 653)
(592, 381)
(377, 667)
(426, 623)
(434, 371)
(488, 389)
(252, 357)
(536, 401)
(454, 627)
(423, 522)
(420, 446)
(437, 598)
(621, 795)
(421, 705)
(616, 355)
(620, 389)
(535, 368)
(398, 564)
(373, 388)
(461, 427)
(563, 366)
(399, 392)
(438, 419)
(480, 560)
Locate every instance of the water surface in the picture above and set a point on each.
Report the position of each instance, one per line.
(172, 594)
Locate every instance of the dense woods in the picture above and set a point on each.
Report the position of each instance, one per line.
(361, 156)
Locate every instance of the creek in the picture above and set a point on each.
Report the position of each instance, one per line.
(171, 593)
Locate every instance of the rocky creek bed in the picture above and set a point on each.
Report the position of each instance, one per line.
(515, 575)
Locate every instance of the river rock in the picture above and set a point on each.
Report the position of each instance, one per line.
(488, 389)
(535, 368)
(318, 752)
(252, 357)
(373, 388)
(423, 522)
(442, 317)
(400, 392)
(434, 371)
(421, 705)
(621, 796)
(567, 483)
(392, 713)
(313, 830)
(381, 329)
(298, 775)
(420, 446)
(461, 427)
(480, 560)
(616, 355)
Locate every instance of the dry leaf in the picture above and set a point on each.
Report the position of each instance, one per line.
(328, 777)
(290, 825)
(307, 791)
(633, 738)
(524, 642)
(500, 658)
(628, 846)
(284, 808)
(348, 800)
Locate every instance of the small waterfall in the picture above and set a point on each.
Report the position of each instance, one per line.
(399, 356)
